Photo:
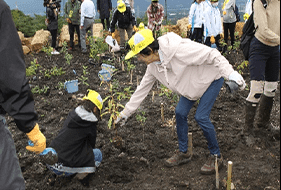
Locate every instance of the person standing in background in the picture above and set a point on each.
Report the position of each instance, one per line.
(264, 66)
(229, 21)
(88, 13)
(52, 16)
(72, 9)
(104, 7)
(248, 10)
(16, 99)
(125, 21)
(196, 21)
(213, 25)
(155, 15)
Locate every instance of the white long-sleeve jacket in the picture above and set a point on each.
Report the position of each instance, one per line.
(213, 24)
(196, 17)
(248, 8)
(187, 68)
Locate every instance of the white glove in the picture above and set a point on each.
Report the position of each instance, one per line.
(122, 118)
(235, 76)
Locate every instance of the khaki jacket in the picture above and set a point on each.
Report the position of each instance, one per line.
(187, 68)
(267, 22)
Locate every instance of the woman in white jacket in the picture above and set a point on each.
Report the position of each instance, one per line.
(213, 25)
(192, 70)
(196, 21)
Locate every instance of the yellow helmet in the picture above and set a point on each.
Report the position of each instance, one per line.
(94, 97)
(121, 6)
(141, 26)
(139, 41)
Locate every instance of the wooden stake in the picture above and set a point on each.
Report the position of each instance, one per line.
(217, 173)
(162, 112)
(190, 146)
(229, 175)
(153, 94)
(122, 64)
(131, 81)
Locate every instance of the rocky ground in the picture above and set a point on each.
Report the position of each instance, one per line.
(137, 161)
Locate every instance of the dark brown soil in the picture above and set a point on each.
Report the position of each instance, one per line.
(137, 161)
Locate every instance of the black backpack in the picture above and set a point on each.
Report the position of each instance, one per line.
(248, 33)
(236, 11)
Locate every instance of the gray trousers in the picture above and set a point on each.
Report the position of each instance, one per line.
(122, 34)
(10, 171)
(88, 26)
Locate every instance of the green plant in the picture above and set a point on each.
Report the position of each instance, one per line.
(84, 80)
(60, 85)
(141, 118)
(97, 46)
(64, 47)
(31, 70)
(56, 72)
(38, 90)
(242, 66)
(48, 50)
(68, 57)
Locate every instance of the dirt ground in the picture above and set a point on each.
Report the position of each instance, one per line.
(138, 162)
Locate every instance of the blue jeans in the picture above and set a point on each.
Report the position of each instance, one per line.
(202, 117)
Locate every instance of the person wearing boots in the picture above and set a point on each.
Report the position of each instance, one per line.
(229, 21)
(264, 65)
(155, 15)
(176, 62)
(71, 10)
(125, 21)
(75, 143)
(104, 7)
(196, 21)
(213, 25)
(16, 100)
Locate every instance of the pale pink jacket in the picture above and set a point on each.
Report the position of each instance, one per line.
(187, 68)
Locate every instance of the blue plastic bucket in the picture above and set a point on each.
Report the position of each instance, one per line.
(107, 67)
(104, 75)
(71, 86)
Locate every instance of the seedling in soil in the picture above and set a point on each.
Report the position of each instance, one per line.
(31, 70)
(162, 112)
(48, 50)
(141, 118)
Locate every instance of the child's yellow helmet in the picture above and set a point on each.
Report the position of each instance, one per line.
(94, 97)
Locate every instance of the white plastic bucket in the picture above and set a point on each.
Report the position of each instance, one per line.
(104, 75)
(71, 86)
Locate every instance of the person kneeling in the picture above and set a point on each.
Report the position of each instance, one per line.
(75, 143)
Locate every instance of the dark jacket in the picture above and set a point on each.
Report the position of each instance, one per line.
(124, 19)
(75, 7)
(103, 7)
(53, 19)
(75, 142)
(15, 95)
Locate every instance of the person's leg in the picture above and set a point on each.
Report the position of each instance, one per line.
(182, 111)
(208, 41)
(54, 38)
(182, 156)
(103, 24)
(130, 31)
(10, 172)
(202, 115)
(232, 31)
(77, 28)
(71, 34)
(218, 37)
(83, 39)
(88, 25)
(107, 23)
(200, 34)
(98, 157)
(122, 37)
(272, 69)
(225, 30)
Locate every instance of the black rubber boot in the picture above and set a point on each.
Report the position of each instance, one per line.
(250, 112)
(263, 122)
